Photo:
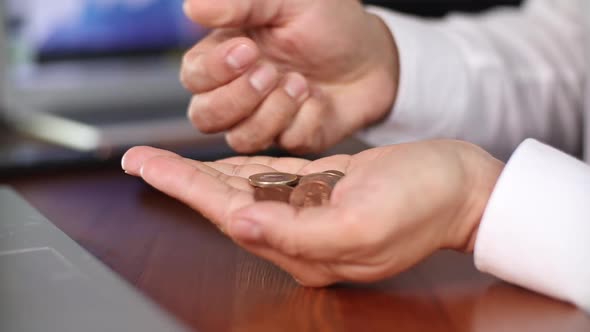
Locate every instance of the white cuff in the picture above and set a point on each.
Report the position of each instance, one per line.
(432, 91)
(535, 231)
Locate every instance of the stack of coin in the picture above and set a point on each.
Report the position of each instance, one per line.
(299, 191)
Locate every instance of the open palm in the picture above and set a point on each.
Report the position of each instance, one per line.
(395, 206)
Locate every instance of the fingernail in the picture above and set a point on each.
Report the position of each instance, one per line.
(141, 171)
(240, 56)
(264, 78)
(191, 108)
(123, 163)
(246, 230)
(296, 86)
(230, 138)
(128, 169)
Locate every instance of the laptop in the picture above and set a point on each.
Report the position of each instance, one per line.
(96, 75)
(49, 283)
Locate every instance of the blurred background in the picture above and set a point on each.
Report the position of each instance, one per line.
(82, 80)
(93, 77)
(57, 30)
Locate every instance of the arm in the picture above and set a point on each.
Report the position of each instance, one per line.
(494, 79)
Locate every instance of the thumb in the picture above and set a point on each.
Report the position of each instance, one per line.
(320, 233)
(235, 14)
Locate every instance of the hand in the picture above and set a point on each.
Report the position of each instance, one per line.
(396, 206)
(304, 74)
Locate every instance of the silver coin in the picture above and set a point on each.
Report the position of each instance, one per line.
(273, 179)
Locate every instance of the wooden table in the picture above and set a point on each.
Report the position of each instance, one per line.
(174, 256)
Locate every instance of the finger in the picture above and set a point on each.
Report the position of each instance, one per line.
(213, 63)
(304, 135)
(134, 158)
(259, 131)
(224, 107)
(230, 13)
(242, 167)
(324, 233)
(211, 195)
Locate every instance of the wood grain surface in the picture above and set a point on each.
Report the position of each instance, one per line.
(175, 257)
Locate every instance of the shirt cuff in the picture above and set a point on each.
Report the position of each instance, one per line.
(535, 231)
(432, 90)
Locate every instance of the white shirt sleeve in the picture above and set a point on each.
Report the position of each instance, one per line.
(535, 231)
(493, 79)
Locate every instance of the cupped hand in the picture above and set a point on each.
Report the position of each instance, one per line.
(304, 74)
(395, 206)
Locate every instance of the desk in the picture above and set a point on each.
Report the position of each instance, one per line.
(174, 256)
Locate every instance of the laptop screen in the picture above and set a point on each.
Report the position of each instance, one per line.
(46, 31)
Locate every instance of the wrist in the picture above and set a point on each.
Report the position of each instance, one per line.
(482, 171)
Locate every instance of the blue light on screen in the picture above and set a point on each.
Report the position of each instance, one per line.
(101, 26)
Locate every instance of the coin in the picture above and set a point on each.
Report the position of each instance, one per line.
(278, 193)
(335, 172)
(273, 179)
(309, 194)
(328, 178)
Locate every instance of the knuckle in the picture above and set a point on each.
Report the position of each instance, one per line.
(288, 246)
(187, 58)
(207, 127)
(301, 141)
(190, 72)
(313, 143)
(309, 147)
(203, 116)
(251, 139)
(239, 142)
(291, 143)
(242, 145)
(292, 43)
(301, 148)
(203, 126)
(184, 80)
(187, 81)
